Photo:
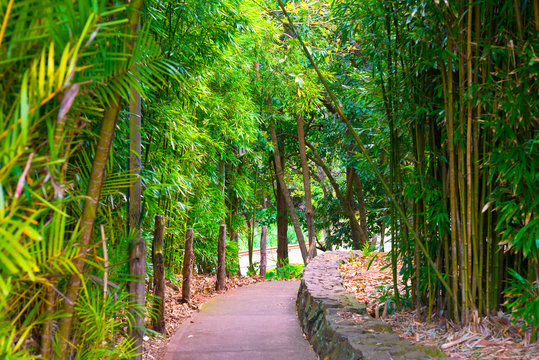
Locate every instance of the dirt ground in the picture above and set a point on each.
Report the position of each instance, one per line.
(490, 337)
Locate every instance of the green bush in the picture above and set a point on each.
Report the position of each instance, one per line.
(289, 271)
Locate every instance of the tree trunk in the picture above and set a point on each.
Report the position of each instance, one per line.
(282, 225)
(87, 221)
(220, 283)
(46, 332)
(355, 229)
(382, 235)
(309, 214)
(250, 241)
(452, 182)
(361, 205)
(137, 265)
(187, 270)
(159, 274)
(236, 240)
(263, 259)
(290, 205)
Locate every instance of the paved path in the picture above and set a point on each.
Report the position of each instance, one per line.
(256, 322)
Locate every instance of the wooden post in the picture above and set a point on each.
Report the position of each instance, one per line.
(220, 283)
(237, 241)
(187, 270)
(263, 259)
(159, 273)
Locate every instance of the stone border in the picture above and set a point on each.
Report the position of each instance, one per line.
(338, 326)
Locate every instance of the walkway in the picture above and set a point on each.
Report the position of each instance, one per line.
(256, 322)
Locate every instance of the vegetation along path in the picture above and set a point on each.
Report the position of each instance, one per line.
(254, 322)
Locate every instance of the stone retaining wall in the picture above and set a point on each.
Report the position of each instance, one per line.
(338, 326)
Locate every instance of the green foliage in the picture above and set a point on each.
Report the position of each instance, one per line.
(254, 269)
(99, 321)
(368, 250)
(287, 271)
(523, 301)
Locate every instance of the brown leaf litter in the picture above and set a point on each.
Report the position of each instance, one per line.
(202, 290)
(490, 337)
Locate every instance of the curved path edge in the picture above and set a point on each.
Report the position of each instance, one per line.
(325, 310)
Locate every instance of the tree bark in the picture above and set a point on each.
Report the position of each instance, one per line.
(89, 212)
(250, 240)
(237, 255)
(187, 270)
(290, 205)
(159, 274)
(309, 214)
(282, 225)
(137, 265)
(220, 283)
(46, 332)
(263, 258)
(382, 235)
(361, 205)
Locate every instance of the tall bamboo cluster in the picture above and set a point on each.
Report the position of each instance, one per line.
(460, 95)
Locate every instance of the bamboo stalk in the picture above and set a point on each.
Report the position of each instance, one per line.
(105, 263)
(471, 236)
(452, 179)
(479, 194)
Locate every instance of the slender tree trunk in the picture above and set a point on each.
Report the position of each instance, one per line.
(220, 283)
(252, 223)
(137, 265)
(46, 332)
(250, 241)
(187, 270)
(309, 214)
(290, 205)
(237, 255)
(355, 228)
(89, 212)
(159, 274)
(361, 206)
(263, 259)
(452, 183)
(282, 226)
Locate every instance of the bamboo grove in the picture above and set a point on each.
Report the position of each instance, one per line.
(458, 89)
(342, 119)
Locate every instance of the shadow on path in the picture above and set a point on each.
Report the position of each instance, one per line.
(256, 322)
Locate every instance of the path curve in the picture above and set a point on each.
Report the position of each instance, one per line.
(255, 322)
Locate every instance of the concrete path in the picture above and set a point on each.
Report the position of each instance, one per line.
(256, 322)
